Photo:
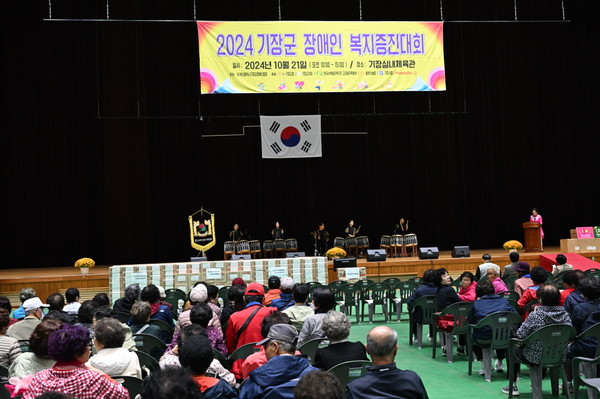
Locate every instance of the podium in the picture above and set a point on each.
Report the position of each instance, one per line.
(533, 240)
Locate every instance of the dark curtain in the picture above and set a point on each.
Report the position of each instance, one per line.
(106, 145)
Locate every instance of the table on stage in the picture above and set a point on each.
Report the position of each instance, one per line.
(577, 261)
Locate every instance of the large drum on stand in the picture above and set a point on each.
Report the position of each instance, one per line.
(268, 248)
(228, 249)
(397, 245)
(291, 245)
(410, 242)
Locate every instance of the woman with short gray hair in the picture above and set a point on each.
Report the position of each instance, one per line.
(336, 327)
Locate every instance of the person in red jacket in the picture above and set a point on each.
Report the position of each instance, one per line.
(539, 275)
(244, 326)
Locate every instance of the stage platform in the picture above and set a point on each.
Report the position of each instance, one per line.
(47, 281)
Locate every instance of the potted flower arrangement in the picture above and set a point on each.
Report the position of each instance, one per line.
(85, 264)
(335, 252)
(512, 245)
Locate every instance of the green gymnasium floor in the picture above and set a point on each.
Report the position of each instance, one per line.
(445, 380)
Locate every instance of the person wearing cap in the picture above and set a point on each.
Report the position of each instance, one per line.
(244, 326)
(33, 314)
(238, 281)
(384, 379)
(25, 294)
(274, 292)
(278, 377)
(285, 299)
(162, 293)
(524, 280)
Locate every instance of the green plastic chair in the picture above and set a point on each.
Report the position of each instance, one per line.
(456, 284)
(459, 312)
(132, 384)
(166, 331)
(511, 295)
(148, 364)
(502, 325)
(594, 274)
(373, 295)
(592, 384)
(510, 281)
(222, 295)
(309, 348)
(558, 280)
(313, 283)
(150, 344)
(593, 331)
(337, 284)
(529, 307)
(427, 306)
(173, 296)
(349, 371)
(399, 294)
(554, 339)
(3, 371)
(348, 297)
(364, 283)
(418, 280)
(391, 281)
(592, 270)
(240, 353)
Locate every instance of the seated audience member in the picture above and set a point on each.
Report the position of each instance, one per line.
(9, 347)
(299, 312)
(140, 318)
(171, 356)
(124, 305)
(576, 296)
(103, 312)
(561, 265)
(336, 327)
(37, 359)
(278, 377)
(212, 300)
(509, 270)
(286, 298)
(151, 294)
(22, 330)
(274, 292)
(202, 314)
(445, 296)
(538, 276)
(323, 301)
(318, 385)
(466, 292)
(198, 294)
(427, 288)
(56, 303)
(235, 295)
(257, 359)
(549, 312)
(25, 294)
(493, 274)
(85, 316)
(254, 313)
(482, 268)
(112, 358)
(569, 281)
(101, 299)
(70, 346)
(170, 383)
(5, 304)
(72, 297)
(162, 295)
(489, 302)
(196, 354)
(523, 280)
(384, 379)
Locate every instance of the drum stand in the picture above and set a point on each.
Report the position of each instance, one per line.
(316, 252)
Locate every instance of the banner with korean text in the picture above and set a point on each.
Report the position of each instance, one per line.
(320, 56)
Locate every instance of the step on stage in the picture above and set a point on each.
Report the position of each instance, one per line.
(47, 281)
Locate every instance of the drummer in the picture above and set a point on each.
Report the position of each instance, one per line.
(235, 234)
(401, 227)
(351, 230)
(322, 238)
(277, 232)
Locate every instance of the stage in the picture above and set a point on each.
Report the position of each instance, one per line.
(47, 281)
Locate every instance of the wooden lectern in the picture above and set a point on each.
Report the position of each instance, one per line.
(533, 240)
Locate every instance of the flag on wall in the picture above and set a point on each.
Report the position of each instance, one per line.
(291, 136)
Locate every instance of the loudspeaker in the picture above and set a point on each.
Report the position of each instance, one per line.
(343, 262)
(429, 253)
(376, 255)
(241, 257)
(198, 259)
(461, 252)
(295, 254)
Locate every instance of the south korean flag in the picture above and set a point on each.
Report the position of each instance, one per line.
(292, 136)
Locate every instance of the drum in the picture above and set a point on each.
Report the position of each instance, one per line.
(350, 242)
(291, 245)
(279, 245)
(268, 248)
(385, 242)
(338, 242)
(397, 240)
(243, 247)
(255, 248)
(228, 249)
(410, 240)
(362, 242)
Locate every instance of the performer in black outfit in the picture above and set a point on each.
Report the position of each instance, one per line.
(401, 227)
(236, 234)
(351, 230)
(322, 239)
(277, 232)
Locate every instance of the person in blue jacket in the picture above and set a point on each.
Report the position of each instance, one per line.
(278, 377)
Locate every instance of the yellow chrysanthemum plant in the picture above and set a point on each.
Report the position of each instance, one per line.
(335, 252)
(512, 244)
(87, 263)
